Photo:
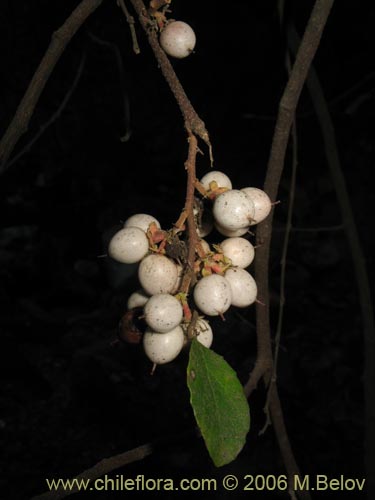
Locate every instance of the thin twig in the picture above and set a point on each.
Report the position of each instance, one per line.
(292, 190)
(287, 107)
(130, 21)
(285, 249)
(60, 40)
(54, 116)
(359, 263)
(283, 275)
(125, 98)
(103, 467)
(278, 423)
(283, 261)
(193, 122)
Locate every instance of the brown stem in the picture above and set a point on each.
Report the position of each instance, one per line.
(54, 116)
(60, 40)
(103, 467)
(359, 262)
(189, 204)
(193, 122)
(292, 190)
(287, 107)
(130, 21)
(194, 126)
(189, 210)
(281, 433)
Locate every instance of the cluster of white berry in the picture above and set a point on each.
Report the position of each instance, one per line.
(218, 278)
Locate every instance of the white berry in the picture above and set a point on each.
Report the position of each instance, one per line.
(129, 245)
(262, 203)
(178, 39)
(203, 332)
(233, 210)
(137, 299)
(240, 251)
(162, 348)
(243, 286)
(220, 178)
(212, 295)
(231, 233)
(142, 221)
(157, 274)
(163, 312)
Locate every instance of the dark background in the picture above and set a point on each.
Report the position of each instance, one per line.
(69, 396)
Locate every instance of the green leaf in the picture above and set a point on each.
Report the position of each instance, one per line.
(219, 403)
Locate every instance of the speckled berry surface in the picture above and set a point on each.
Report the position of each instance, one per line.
(142, 221)
(178, 39)
(128, 246)
(233, 210)
(243, 286)
(163, 312)
(239, 250)
(157, 274)
(262, 203)
(162, 348)
(212, 295)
